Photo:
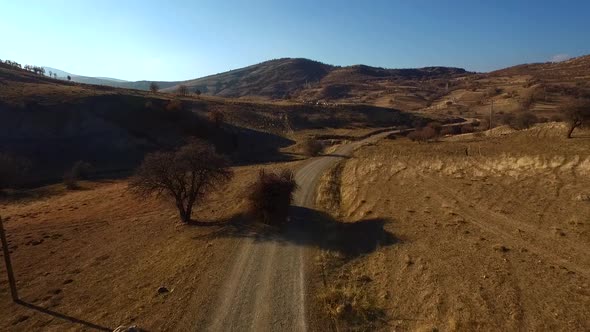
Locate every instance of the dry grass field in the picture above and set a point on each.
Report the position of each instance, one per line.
(493, 232)
(96, 257)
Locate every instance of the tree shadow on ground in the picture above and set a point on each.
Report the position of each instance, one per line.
(312, 228)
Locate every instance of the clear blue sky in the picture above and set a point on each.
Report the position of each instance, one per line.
(174, 40)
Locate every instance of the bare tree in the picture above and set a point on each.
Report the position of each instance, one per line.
(182, 90)
(185, 175)
(577, 114)
(154, 87)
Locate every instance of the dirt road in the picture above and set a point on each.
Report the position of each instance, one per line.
(266, 287)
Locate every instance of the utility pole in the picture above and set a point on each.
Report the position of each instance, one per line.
(491, 114)
(9, 271)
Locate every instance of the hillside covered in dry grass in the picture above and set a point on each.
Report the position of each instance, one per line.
(55, 123)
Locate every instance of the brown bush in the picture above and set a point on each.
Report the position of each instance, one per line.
(466, 129)
(80, 170)
(492, 91)
(271, 195)
(185, 175)
(174, 105)
(312, 147)
(523, 120)
(437, 126)
(422, 135)
(519, 120)
(450, 130)
(70, 181)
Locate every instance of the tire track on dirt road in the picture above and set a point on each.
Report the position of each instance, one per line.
(266, 287)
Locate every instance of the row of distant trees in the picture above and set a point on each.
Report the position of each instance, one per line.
(182, 90)
(34, 69)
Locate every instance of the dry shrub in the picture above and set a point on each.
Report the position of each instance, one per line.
(271, 195)
(493, 91)
(70, 181)
(520, 120)
(466, 129)
(437, 126)
(422, 135)
(351, 308)
(80, 170)
(312, 147)
(450, 130)
(174, 105)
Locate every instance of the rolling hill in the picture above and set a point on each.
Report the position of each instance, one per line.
(285, 78)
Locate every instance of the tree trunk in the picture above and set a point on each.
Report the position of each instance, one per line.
(571, 130)
(182, 213)
(189, 213)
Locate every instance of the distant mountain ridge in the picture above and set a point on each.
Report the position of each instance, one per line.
(276, 79)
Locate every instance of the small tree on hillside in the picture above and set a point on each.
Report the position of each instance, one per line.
(577, 115)
(69, 78)
(182, 90)
(271, 195)
(185, 175)
(198, 92)
(154, 87)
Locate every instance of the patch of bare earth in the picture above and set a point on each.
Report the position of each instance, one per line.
(494, 231)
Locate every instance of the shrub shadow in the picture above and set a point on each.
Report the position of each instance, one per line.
(310, 228)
